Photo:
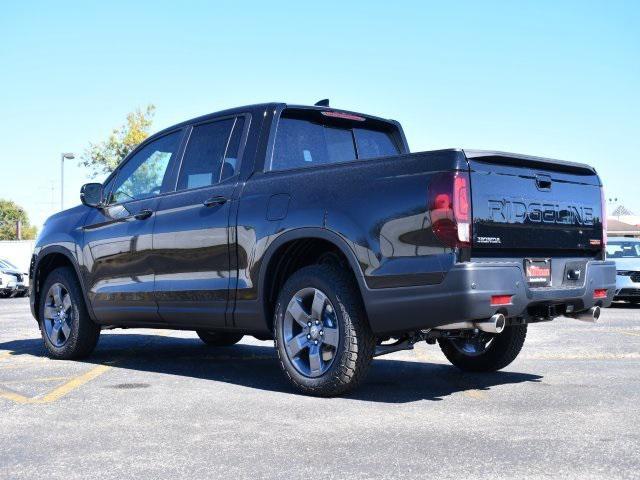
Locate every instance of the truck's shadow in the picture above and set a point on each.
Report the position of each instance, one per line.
(256, 366)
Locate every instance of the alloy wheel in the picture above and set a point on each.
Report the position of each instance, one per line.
(473, 346)
(311, 333)
(58, 315)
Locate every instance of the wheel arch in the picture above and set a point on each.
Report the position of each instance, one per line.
(277, 265)
(49, 259)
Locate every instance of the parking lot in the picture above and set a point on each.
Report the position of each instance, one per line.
(160, 404)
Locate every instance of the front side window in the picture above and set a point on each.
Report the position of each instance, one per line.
(143, 174)
(302, 142)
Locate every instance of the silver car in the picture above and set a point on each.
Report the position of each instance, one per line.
(626, 253)
(13, 283)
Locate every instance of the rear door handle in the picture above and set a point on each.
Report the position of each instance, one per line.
(143, 214)
(217, 200)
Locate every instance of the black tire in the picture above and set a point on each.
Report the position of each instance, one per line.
(219, 339)
(503, 349)
(355, 345)
(84, 333)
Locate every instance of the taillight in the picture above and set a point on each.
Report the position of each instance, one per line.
(450, 208)
(501, 300)
(600, 293)
(603, 203)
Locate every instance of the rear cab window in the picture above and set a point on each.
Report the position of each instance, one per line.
(309, 137)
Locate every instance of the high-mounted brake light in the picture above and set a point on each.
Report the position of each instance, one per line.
(450, 208)
(346, 116)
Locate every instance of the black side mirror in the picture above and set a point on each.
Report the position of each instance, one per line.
(91, 194)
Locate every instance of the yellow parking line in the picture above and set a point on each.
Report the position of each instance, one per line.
(72, 384)
(15, 397)
(633, 334)
(475, 394)
(36, 380)
(587, 356)
(58, 392)
(68, 387)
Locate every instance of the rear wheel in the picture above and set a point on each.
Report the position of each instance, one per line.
(322, 336)
(66, 328)
(219, 339)
(485, 352)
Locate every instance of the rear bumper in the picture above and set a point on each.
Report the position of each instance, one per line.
(465, 295)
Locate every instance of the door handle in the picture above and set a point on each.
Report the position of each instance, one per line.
(143, 214)
(217, 200)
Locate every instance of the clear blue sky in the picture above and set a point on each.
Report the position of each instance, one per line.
(551, 78)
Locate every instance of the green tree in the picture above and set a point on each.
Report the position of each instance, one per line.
(10, 214)
(104, 157)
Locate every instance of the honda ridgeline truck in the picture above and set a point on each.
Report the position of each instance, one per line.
(318, 228)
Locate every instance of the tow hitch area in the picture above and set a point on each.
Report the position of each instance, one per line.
(493, 325)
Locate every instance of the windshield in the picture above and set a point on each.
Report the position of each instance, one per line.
(623, 250)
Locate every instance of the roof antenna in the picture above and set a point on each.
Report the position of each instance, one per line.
(322, 103)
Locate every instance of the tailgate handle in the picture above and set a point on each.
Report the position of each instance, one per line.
(543, 182)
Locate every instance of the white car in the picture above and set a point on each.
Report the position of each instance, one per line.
(13, 282)
(626, 253)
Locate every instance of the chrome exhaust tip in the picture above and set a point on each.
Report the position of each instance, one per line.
(592, 315)
(495, 324)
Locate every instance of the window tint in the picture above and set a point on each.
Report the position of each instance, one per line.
(203, 156)
(143, 174)
(301, 143)
(230, 165)
(374, 143)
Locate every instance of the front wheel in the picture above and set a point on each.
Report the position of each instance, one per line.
(322, 336)
(67, 330)
(485, 352)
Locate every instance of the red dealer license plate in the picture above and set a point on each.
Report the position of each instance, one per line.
(538, 272)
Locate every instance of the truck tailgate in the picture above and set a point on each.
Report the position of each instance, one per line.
(533, 206)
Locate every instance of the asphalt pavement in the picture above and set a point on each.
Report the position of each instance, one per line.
(160, 404)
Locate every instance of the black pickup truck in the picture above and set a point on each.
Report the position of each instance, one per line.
(318, 228)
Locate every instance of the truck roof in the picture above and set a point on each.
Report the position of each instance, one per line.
(259, 107)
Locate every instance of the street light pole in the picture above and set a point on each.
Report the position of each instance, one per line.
(70, 156)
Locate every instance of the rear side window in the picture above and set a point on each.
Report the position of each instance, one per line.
(301, 143)
(230, 164)
(203, 157)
